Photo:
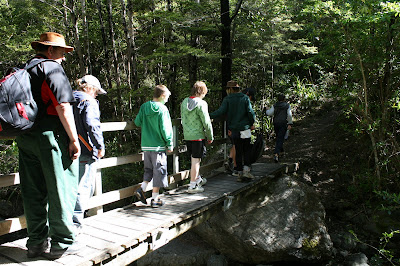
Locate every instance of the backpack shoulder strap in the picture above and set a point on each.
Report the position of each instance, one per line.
(34, 62)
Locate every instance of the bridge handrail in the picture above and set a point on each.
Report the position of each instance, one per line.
(99, 199)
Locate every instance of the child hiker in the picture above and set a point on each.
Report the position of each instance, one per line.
(155, 121)
(196, 128)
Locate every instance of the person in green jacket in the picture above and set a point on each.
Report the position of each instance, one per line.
(240, 120)
(197, 127)
(155, 121)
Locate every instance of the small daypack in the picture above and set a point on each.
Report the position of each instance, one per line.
(18, 109)
(257, 148)
(280, 113)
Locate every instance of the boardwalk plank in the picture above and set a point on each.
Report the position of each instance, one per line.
(112, 226)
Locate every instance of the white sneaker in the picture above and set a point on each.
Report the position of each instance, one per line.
(201, 181)
(196, 189)
(246, 172)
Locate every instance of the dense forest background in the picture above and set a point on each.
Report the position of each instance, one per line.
(310, 50)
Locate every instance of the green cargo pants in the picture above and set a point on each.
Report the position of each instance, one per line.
(49, 182)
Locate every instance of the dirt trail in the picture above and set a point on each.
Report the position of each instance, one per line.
(315, 142)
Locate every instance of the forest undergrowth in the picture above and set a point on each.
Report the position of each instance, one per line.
(360, 218)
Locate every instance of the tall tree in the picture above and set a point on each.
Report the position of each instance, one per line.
(226, 45)
(76, 33)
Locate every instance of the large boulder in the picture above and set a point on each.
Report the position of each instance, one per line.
(281, 221)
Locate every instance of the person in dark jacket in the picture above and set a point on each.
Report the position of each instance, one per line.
(230, 164)
(282, 120)
(87, 119)
(240, 120)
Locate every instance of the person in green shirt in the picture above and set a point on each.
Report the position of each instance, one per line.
(155, 121)
(197, 128)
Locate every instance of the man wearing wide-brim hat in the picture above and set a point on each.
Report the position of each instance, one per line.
(240, 120)
(47, 154)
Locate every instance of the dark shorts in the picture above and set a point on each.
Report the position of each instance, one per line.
(196, 149)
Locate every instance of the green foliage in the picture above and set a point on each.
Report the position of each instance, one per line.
(8, 157)
(122, 176)
(391, 201)
(383, 254)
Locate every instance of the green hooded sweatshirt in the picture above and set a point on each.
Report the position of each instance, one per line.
(195, 119)
(155, 121)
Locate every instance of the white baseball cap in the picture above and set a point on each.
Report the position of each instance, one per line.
(93, 81)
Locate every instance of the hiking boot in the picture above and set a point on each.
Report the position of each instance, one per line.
(228, 166)
(240, 176)
(139, 194)
(156, 203)
(201, 181)
(246, 172)
(276, 158)
(56, 253)
(36, 251)
(196, 189)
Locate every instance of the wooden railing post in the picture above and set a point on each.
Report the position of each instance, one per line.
(226, 155)
(175, 156)
(98, 190)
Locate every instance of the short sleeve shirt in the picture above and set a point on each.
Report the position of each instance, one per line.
(50, 86)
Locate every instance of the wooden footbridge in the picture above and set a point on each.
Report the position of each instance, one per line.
(123, 235)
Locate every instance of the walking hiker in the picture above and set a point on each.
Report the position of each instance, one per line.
(87, 119)
(240, 122)
(282, 120)
(230, 165)
(197, 128)
(47, 154)
(155, 121)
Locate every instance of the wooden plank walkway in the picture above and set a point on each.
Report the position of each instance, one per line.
(123, 235)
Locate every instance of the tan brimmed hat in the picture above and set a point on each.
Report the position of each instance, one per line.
(232, 84)
(52, 39)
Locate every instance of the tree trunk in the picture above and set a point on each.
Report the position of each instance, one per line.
(226, 42)
(106, 62)
(129, 35)
(115, 58)
(112, 38)
(132, 46)
(386, 91)
(87, 42)
(75, 32)
(226, 48)
(369, 119)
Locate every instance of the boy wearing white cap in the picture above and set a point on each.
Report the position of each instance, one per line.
(87, 119)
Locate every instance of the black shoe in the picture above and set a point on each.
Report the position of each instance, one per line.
(140, 195)
(56, 253)
(228, 166)
(157, 203)
(36, 251)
